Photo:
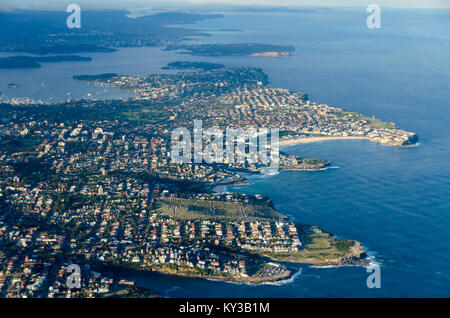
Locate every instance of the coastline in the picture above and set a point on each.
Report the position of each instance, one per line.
(355, 256)
(288, 273)
(124, 271)
(304, 140)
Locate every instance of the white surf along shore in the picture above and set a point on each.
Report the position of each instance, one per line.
(304, 140)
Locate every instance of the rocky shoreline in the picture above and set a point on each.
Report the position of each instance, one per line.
(356, 256)
(286, 274)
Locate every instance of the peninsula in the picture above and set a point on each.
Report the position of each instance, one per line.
(240, 97)
(235, 49)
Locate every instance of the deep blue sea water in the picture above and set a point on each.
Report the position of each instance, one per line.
(395, 201)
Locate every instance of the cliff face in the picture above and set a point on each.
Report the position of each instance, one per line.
(397, 139)
(356, 253)
(411, 140)
(307, 164)
(284, 274)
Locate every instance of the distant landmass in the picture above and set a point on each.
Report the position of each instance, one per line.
(235, 49)
(34, 62)
(67, 49)
(13, 85)
(186, 65)
(98, 77)
(45, 32)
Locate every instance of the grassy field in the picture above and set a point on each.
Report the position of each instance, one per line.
(320, 247)
(374, 122)
(145, 115)
(11, 144)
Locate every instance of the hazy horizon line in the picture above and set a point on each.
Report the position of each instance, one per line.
(220, 4)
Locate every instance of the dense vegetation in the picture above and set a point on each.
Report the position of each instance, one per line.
(44, 32)
(232, 49)
(186, 65)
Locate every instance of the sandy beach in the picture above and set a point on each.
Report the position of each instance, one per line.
(305, 140)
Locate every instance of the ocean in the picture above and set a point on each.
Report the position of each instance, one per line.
(395, 201)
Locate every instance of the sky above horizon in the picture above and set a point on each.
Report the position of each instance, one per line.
(52, 4)
(331, 3)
